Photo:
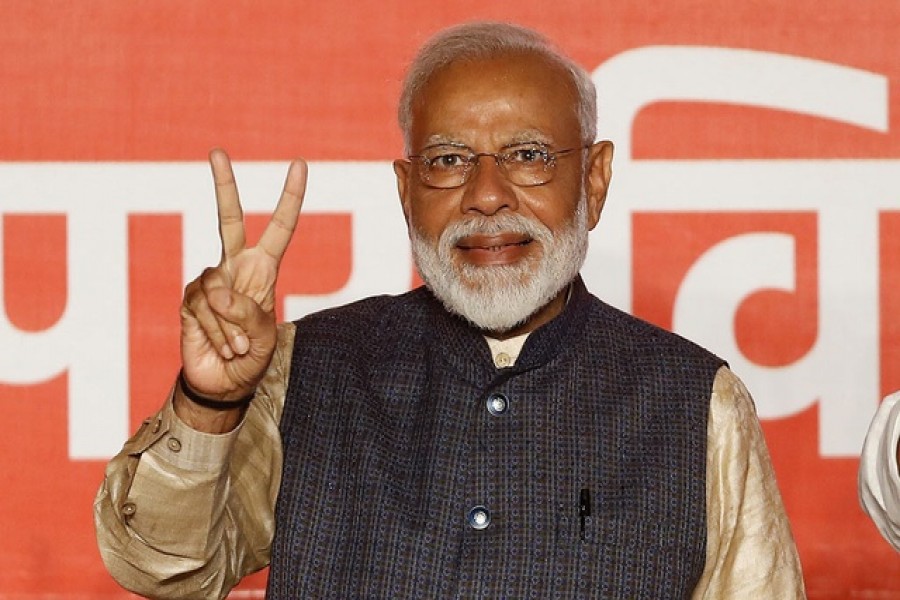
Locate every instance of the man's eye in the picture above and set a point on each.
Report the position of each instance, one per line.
(528, 155)
(447, 161)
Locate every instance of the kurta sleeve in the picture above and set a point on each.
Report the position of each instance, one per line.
(879, 479)
(185, 514)
(750, 549)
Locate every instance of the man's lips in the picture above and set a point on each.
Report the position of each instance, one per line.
(492, 242)
(499, 249)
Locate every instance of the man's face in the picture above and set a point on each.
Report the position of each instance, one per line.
(494, 241)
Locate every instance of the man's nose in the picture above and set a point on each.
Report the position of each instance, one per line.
(488, 190)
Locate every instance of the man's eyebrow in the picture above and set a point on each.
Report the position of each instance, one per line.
(530, 142)
(532, 136)
(529, 136)
(442, 140)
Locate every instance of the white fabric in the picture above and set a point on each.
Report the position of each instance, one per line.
(879, 477)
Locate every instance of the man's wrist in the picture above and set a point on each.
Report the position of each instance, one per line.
(190, 394)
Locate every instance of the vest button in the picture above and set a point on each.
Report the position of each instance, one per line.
(479, 517)
(497, 404)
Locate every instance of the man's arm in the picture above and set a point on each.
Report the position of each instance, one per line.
(185, 514)
(750, 549)
(879, 478)
(186, 508)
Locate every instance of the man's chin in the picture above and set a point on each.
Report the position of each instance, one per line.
(498, 297)
(494, 322)
(499, 279)
(494, 306)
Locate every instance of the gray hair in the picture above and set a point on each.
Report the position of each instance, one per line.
(487, 40)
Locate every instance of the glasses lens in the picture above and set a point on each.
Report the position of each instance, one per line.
(528, 165)
(445, 166)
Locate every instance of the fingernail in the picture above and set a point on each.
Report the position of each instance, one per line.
(241, 344)
(226, 352)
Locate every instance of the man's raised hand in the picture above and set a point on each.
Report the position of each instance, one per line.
(228, 327)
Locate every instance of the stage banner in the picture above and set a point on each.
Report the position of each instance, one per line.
(754, 208)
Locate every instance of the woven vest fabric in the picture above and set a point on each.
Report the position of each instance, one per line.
(389, 443)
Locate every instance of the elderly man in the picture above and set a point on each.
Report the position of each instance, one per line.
(498, 433)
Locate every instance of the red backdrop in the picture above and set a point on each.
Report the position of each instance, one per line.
(149, 86)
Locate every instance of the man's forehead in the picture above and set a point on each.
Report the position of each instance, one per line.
(495, 102)
(499, 66)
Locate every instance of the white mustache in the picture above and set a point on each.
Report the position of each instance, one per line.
(482, 225)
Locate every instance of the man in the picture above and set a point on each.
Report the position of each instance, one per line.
(879, 477)
(500, 433)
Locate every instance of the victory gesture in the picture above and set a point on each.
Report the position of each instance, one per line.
(228, 327)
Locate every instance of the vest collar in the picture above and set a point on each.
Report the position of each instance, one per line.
(461, 344)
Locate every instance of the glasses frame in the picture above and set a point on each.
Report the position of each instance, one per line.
(422, 162)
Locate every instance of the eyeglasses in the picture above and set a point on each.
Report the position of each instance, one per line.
(448, 166)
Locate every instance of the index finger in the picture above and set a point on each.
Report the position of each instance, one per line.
(277, 235)
(231, 216)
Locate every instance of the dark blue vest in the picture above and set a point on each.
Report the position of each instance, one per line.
(416, 469)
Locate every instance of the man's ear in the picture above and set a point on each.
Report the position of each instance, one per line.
(599, 175)
(403, 169)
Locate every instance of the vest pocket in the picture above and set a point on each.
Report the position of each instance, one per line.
(636, 556)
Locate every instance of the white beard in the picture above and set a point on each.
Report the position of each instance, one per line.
(497, 298)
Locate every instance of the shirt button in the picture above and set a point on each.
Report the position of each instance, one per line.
(479, 517)
(502, 359)
(497, 404)
(174, 445)
(156, 425)
(128, 509)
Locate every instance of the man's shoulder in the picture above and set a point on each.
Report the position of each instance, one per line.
(626, 330)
